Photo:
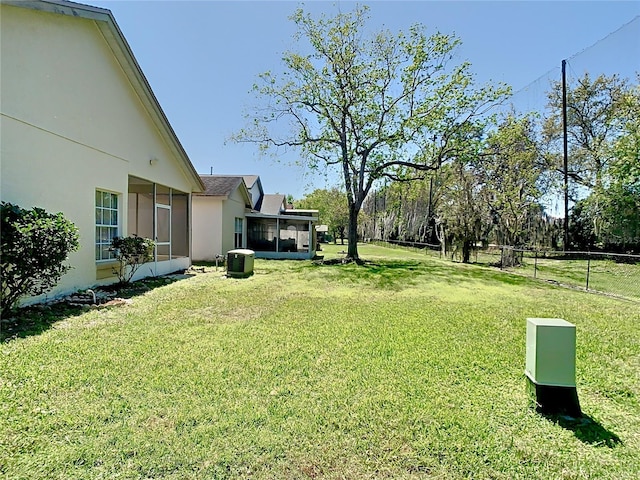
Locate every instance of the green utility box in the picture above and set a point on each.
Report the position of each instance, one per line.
(551, 352)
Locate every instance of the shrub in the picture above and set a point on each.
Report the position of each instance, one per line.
(131, 253)
(35, 245)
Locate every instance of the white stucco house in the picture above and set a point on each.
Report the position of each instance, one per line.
(234, 212)
(83, 134)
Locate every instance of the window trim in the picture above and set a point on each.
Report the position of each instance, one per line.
(114, 227)
(238, 235)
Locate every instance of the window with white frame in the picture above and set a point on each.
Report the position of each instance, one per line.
(106, 223)
(238, 233)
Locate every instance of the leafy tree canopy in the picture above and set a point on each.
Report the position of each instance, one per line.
(332, 209)
(599, 112)
(372, 106)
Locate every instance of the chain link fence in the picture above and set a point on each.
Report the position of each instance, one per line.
(611, 273)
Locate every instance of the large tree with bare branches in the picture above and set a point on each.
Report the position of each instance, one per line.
(372, 105)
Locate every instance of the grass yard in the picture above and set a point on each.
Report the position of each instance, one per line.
(406, 367)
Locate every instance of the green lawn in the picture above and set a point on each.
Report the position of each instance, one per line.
(405, 367)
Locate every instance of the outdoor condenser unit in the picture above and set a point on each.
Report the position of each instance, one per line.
(240, 263)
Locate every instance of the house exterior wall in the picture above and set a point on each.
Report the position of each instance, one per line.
(234, 208)
(214, 225)
(207, 228)
(72, 124)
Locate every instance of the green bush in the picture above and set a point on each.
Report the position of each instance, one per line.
(131, 253)
(35, 245)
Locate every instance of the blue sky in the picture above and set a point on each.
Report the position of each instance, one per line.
(201, 58)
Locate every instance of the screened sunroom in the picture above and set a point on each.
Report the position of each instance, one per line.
(153, 211)
(288, 235)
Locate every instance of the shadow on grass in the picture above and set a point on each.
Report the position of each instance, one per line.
(587, 430)
(400, 273)
(36, 319)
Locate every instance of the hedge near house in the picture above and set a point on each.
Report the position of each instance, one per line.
(35, 246)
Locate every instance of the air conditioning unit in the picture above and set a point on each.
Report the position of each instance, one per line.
(240, 263)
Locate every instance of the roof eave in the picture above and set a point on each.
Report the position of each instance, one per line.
(211, 195)
(123, 53)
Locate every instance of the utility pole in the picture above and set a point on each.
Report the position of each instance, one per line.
(565, 156)
(429, 212)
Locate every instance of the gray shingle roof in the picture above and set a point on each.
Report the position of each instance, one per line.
(272, 203)
(220, 185)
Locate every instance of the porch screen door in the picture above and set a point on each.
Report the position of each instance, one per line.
(163, 232)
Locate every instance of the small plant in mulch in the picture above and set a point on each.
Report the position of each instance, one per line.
(131, 253)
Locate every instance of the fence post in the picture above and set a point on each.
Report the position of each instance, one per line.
(501, 257)
(535, 263)
(588, 269)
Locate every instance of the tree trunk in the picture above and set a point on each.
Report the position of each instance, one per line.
(466, 251)
(352, 233)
